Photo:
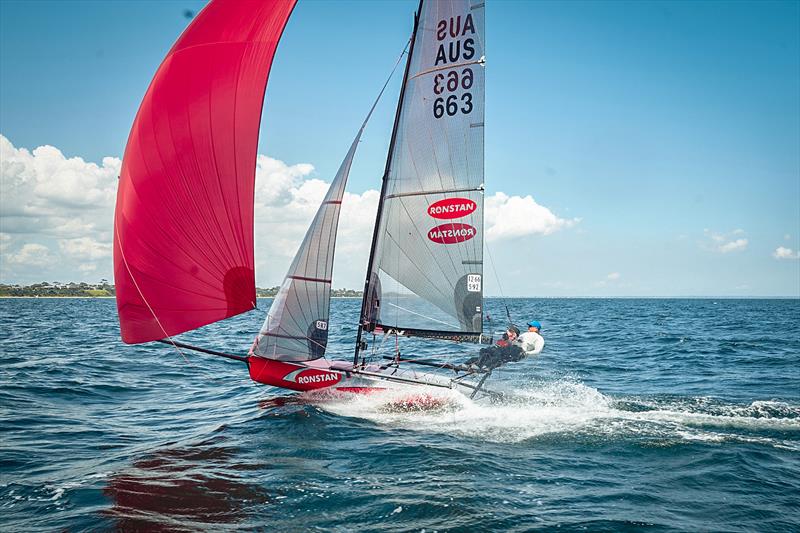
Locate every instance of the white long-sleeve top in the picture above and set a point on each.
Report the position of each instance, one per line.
(531, 342)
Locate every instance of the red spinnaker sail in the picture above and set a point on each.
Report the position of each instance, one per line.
(183, 246)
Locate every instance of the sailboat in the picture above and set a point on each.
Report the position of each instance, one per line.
(184, 247)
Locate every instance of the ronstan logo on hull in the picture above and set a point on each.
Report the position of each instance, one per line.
(311, 376)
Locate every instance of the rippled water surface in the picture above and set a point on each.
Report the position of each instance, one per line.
(639, 415)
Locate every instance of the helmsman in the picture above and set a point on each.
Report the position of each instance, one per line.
(532, 341)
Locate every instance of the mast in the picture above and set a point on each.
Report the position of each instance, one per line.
(365, 297)
(296, 326)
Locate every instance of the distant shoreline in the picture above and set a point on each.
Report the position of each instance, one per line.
(112, 297)
(57, 297)
(485, 297)
(104, 289)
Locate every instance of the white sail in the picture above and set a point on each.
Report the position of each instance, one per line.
(296, 327)
(427, 263)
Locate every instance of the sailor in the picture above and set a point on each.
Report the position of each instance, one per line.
(532, 341)
(505, 350)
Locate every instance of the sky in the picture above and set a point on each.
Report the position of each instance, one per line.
(632, 148)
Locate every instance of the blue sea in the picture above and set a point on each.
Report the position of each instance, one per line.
(640, 415)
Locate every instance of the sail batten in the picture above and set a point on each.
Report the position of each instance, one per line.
(441, 191)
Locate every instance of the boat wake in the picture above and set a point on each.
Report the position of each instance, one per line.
(569, 409)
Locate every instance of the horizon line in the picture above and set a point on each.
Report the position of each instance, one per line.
(578, 296)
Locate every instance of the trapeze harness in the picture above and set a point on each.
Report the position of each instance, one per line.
(501, 353)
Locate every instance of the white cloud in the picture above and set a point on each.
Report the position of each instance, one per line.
(44, 197)
(31, 255)
(517, 216)
(85, 248)
(48, 187)
(556, 285)
(781, 252)
(733, 246)
(725, 243)
(280, 227)
(275, 180)
(282, 222)
(57, 216)
(611, 279)
(356, 223)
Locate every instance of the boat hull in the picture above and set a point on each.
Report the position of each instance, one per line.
(314, 375)
(323, 381)
(336, 375)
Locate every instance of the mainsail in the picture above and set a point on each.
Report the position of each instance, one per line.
(296, 327)
(426, 265)
(183, 247)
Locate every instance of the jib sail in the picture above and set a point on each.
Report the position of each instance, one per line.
(296, 327)
(183, 224)
(425, 275)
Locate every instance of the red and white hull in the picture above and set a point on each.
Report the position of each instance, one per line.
(338, 376)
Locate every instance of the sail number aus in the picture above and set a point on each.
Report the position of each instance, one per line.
(452, 104)
(460, 48)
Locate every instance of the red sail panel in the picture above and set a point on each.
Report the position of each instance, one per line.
(183, 246)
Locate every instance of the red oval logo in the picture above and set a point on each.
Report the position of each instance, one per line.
(452, 208)
(312, 378)
(451, 233)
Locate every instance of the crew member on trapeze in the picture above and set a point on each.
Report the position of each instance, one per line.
(512, 347)
(532, 341)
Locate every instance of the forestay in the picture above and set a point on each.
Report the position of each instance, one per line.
(296, 328)
(426, 274)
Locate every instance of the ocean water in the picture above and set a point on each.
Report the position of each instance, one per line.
(653, 415)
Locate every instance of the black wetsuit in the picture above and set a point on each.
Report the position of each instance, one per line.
(493, 356)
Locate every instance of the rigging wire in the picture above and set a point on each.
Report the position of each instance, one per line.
(421, 315)
(368, 283)
(297, 334)
(499, 285)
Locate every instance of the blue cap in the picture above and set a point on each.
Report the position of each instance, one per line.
(534, 324)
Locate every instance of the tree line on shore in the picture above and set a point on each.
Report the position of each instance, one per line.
(105, 289)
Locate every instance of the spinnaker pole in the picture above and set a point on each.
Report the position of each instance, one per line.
(226, 355)
(365, 298)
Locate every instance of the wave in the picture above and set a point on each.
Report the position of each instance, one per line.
(566, 408)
